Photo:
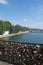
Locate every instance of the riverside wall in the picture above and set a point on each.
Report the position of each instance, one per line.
(8, 35)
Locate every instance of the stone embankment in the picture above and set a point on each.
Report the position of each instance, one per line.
(8, 35)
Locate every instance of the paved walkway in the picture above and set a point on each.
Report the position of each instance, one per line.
(4, 63)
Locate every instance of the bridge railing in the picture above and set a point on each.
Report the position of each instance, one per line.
(21, 52)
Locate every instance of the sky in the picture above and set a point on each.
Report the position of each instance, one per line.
(27, 13)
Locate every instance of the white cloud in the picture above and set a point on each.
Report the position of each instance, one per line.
(3, 1)
(25, 19)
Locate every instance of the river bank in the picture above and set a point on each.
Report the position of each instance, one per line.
(2, 36)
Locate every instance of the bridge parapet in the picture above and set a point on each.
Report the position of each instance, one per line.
(23, 53)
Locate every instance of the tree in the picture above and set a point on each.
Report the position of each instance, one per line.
(2, 27)
(7, 25)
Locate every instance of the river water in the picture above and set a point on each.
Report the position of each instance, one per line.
(27, 37)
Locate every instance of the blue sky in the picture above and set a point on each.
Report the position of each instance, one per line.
(24, 12)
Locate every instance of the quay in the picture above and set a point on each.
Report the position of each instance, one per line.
(8, 35)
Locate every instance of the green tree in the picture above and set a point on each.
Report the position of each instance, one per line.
(7, 25)
(2, 27)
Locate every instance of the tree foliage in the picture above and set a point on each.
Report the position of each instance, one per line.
(2, 27)
(6, 25)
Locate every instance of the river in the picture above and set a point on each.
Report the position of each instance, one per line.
(27, 37)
